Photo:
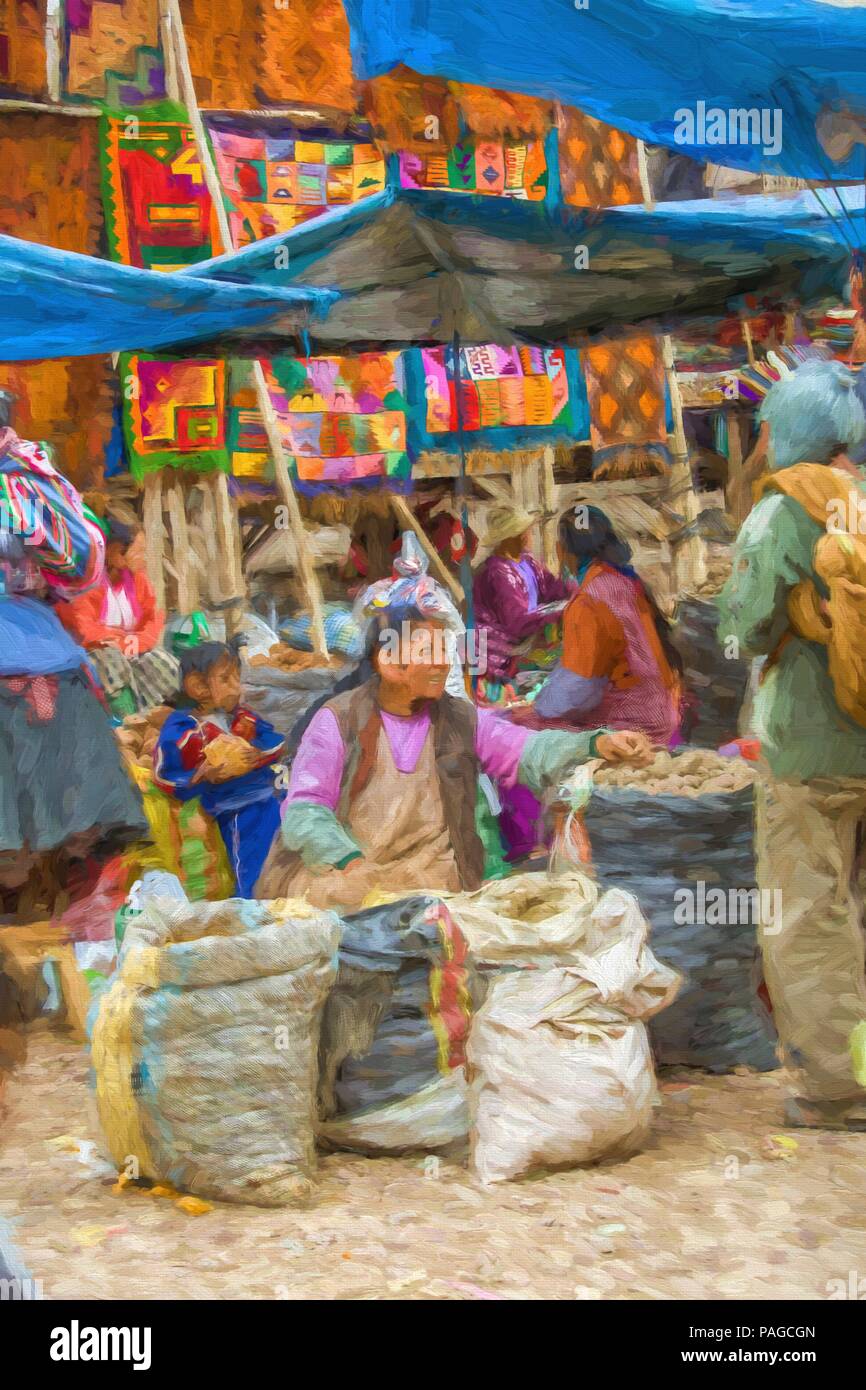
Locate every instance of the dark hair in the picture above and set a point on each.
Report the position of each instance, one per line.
(7, 405)
(598, 540)
(365, 670)
(200, 660)
(121, 532)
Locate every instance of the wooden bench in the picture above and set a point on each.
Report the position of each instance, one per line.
(24, 949)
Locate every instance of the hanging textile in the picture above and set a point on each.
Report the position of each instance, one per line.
(625, 383)
(109, 39)
(158, 211)
(274, 183)
(597, 164)
(249, 453)
(343, 419)
(304, 54)
(174, 413)
(52, 197)
(22, 47)
(504, 168)
(508, 387)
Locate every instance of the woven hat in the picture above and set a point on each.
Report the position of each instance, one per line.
(506, 520)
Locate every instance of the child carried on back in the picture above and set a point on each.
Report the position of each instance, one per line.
(215, 748)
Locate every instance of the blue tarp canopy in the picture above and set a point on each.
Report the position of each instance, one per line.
(639, 63)
(60, 304)
(416, 266)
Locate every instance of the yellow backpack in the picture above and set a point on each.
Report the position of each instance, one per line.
(833, 499)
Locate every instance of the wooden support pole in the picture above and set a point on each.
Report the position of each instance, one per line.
(187, 580)
(169, 50)
(548, 500)
(691, 563)
(154, 535)
(309, 578)
(53, 49)
(406, 517)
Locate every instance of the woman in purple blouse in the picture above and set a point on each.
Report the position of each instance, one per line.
(514, 595)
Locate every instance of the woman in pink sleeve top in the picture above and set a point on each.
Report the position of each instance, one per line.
(383, 786)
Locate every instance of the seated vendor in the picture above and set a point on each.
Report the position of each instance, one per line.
(119, 624)
(382, 793)
(515, 597)
(619, 667)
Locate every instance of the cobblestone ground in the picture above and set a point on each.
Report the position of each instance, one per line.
(719, 1205)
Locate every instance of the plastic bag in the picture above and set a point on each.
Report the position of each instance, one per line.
(561, 1066)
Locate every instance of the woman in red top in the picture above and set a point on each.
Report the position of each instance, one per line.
(119, 624)
(619, 668)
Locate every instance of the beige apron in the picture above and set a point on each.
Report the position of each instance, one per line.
(398, 821)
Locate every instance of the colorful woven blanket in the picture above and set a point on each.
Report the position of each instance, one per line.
(500, 386)
(174, 413)
(343, 418)
(274, 184)
(625, 383)
(158, 210)
(506, 168)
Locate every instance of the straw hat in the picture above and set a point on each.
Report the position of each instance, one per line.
(506, 520)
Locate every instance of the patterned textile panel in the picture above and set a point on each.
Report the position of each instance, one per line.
(304, 53)
(224, 39)
(174, 413)
(158, 210)
(504, 168)
(105, 36)
(247, 441)
(275, 183)
(22, 47)
(51, 195)
(343, 419)
(625, 384)
(510, 387)
(597, 164)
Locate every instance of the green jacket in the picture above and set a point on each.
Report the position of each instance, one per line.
(802, 731)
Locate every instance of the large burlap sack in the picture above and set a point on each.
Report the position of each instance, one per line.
(561, 1066)
(394, 1030)
(205, 1044)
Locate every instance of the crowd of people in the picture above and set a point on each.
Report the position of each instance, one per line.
(383, 788)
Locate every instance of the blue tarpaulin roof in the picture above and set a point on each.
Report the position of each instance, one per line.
(638, 63)
(415, 266)
(60, 304)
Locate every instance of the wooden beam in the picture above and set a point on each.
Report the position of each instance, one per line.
(187, 581)
(549, 523)
(310, 580)
(407, 518)
(169, 51)
(691, 563)
(154, 534)
(53, 49)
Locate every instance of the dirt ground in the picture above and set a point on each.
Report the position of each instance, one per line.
(720, 1205)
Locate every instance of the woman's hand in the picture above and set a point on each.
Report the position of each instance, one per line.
(627, 746)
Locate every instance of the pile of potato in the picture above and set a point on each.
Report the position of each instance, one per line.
(139, 733)
(287, 658)
(695, 772)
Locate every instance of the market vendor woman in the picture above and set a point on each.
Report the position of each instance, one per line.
(515, 599)
(383, 786)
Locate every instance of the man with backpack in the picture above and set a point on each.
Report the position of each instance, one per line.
(797, 596)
